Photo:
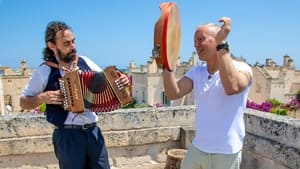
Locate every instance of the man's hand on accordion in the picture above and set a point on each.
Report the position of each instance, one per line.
(53, 97)
(123, 79)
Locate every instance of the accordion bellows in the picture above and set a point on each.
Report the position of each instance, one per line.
(95, 91)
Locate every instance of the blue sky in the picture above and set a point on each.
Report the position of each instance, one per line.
(115, 32)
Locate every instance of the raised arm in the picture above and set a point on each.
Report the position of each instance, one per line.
(176, 89)
(234, 81)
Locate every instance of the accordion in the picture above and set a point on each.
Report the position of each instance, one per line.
(95, 91)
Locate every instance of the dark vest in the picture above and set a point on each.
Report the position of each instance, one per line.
(55, 113)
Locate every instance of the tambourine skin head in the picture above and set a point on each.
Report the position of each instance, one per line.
(167, 37)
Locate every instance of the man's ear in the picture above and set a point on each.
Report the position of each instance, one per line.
(51, 46)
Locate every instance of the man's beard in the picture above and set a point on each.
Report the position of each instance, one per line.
(66, 57)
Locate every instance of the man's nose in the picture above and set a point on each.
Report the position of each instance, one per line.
(73, 45)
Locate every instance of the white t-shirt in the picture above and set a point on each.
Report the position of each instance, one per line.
(219, 117)
(38, 82)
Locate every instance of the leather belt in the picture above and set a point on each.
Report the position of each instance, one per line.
(74, 126)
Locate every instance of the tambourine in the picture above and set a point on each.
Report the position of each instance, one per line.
(167, 37)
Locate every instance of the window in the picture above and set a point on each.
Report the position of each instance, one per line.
(165, 100)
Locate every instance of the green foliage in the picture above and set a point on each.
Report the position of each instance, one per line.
(133, 104)
(142, 105)
(282, 109)
(279, 111)
(130, 105)
(277, 107)
(274, 102)
(42, 107)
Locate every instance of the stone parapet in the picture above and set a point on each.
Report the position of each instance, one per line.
(136, 137)
(144, 133)
(272, 141)
(282, 129)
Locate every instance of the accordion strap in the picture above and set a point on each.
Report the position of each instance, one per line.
(58, 66)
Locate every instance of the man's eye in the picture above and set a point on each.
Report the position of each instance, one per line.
(67, 43)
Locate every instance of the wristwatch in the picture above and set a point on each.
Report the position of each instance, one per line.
(223, 46)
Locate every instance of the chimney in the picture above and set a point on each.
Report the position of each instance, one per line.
(288, 61)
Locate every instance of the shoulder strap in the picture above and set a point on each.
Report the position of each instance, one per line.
(57, 66)
(51, 64)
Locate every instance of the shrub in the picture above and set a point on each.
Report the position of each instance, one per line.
(40, 109)
(275, 107)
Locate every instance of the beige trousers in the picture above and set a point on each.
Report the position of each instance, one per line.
(196, 159)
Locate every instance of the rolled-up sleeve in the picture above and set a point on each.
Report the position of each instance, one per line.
(37, 82)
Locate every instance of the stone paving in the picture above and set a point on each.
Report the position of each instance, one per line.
(146, 165)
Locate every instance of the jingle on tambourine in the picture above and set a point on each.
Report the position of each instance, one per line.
(167, 37)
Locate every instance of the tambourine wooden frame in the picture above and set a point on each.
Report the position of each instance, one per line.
(167, 37)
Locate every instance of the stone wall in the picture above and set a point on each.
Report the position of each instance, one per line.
(135, 136)
(272, 141)
(132, 136)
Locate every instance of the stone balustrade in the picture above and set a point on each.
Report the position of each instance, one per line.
(135, 136)
(272, 141)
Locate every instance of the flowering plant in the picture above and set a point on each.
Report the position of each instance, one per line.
(157, 105)
(276, 107)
